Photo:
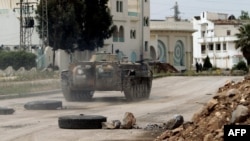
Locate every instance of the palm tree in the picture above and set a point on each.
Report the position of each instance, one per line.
(243, 42)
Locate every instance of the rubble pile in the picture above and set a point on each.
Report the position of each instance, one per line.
(230, 106)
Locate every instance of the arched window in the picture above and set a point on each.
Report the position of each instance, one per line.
(121, 34)
(162, 52)
(179, 54)
(115, 34)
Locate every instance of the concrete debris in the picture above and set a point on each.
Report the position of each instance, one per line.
(114, 124)
(171, 124)
(231, 105)
(129, 121)
(175, 122)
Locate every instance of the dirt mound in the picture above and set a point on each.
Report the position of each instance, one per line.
(231, 105)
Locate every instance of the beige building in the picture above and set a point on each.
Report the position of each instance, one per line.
(131, 36)
(171, 42)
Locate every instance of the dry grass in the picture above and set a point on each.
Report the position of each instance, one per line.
(24, 84)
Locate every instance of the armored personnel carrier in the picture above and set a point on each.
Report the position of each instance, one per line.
(105, 72)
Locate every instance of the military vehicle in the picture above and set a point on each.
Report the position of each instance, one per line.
(106, 72)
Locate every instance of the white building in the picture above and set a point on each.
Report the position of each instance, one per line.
(215, 38)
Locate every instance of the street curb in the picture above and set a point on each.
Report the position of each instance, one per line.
(30, 94)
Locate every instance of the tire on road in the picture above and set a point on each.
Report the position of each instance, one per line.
(6, 111)
(81, 121)
(43, 105)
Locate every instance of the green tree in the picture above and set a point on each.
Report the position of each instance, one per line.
(243, 42)
(244, 15)
(76, 24)
(207, 64)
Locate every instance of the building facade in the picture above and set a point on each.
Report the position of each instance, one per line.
(215, 37)
(171, 42)
(131, 35)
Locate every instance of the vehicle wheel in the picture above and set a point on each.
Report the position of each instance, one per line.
(43, 105)
(85, 95)
(75, 95)
(67, 92)
(81, 121)
(6, 111)
(137, 89)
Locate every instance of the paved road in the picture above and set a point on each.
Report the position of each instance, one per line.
(170, 96)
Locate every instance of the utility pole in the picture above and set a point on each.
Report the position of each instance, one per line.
(26, 24)
(142, 32)
(21, 44)
(45, 30)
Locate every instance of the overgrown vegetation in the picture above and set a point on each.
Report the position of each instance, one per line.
(243, 41)
(37, 76)
(17, 59)
(30, 82)
(241, 66)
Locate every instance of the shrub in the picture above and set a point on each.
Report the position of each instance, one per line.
(17, 59)
(241, 66)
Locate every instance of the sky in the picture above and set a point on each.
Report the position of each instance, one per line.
(160, 9)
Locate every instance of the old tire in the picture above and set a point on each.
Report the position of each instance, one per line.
(43, 105)
(136, 90)
(6, 111)
(81, 121)
(75, 95)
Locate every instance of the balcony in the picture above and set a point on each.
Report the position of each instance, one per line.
(217, 39)
(134, 16)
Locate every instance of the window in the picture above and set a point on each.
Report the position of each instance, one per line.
(119, 6)
(115, 34)
(224, 46)
(121, 34)
(211, 47)
(203, 49)
(217, 47)
(132, 34)
(146, 46)
(203, 33)
(228, 32)
(146, 21)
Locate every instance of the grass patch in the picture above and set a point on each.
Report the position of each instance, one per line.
(28, 83)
